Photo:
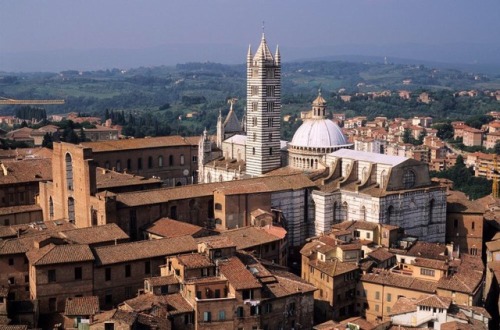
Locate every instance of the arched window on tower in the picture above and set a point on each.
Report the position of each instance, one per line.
(69, 172)
(71, 210)
(51, 208)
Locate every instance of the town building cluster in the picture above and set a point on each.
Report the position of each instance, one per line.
(337, 228)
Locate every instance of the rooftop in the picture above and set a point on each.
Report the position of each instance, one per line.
(238, 275)
(114, 254)
(59, 254)
(166, 227)
(82, 306)
(97, 234)
(248, 237)
(131, 144)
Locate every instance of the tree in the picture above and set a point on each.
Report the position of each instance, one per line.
(496, 148)
(422, 135)
(407, 136)
(47, 141)
(444, 131)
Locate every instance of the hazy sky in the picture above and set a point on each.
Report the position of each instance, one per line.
(61, 25)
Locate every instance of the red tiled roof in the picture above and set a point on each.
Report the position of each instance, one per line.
(166, 227)
(97, 234)
(194, 260)
(82, 306)
(59, 254)
(131, 144)
(248, 237)
(113, 254)
(26, 170)
(238, 275)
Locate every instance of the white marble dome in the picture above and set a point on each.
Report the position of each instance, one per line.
(318, 133)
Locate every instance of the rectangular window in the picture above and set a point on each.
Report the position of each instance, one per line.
(270, 106)
(207, 316)
(52, 304)
(217, 293)
(195, 159)
(376, 308)
(255, 90)
(11, 261)
(389, 297)
(239, 312)
(270, 90)
(254, 310)
(270, 73)
(368, 235)
(426, 272)
(377, 295)
(182, 159)
(147, 267)
(107, 274)
(128, 271)
(78, 273)
(108, 299)
(222, 315)
(52, 275)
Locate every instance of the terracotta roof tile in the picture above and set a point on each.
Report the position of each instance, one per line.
(27, 170)
(217, 242)
(20, 209)
(401, 281)
(58, 254)
(82, 306)
(430, 263)
(238, 275)
(97, 234)
(427, 250)
(381, 255)
(248, 237)
(132, 144)
(195, 260)
(403, 305)
(166, 227)
(287, 284)
(333, 267)
(113, 254)
(434, 301)
(162, 280)
(255, 185)
(107, 179)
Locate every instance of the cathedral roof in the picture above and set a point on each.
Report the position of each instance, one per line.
(320, 133)
(319, 101)
(231, 124)
(263, 52)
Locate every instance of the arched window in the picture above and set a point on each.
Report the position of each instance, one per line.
(118, 166)
(209, 177)
(345, 210)
(270, 150)
(431, 211)
(171, 160)
(129, 164)
(390, 215)
(408, 179)
(182, 159)
(69, 172)
(93, 216)
(218, 206)
(473, 225)
(270, 137)
(220, 178)
(139, 163)
(254, 137)
(51, 208)
(253, 151)
(336, 217)
(150, 162)
(160, 161)
(363, 213)
(71, 210)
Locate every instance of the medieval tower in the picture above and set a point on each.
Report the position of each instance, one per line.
(263, 110)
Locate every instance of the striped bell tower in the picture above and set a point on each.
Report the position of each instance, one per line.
(263, 110)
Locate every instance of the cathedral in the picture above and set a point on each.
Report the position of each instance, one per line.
(350, 185)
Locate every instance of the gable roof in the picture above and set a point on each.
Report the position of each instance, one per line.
(114, 254)
(369, 157)
(59, 254)
(77, 306)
